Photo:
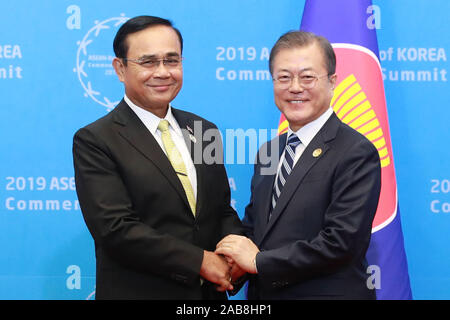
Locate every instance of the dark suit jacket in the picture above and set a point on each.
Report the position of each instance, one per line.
(148, 244)
(315, 243)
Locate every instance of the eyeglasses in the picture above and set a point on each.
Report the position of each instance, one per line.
(307, 81)
(153, 63)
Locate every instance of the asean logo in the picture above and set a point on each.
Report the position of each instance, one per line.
(94, 63)
(359, 101)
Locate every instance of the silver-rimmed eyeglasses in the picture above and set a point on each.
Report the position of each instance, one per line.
(153, 63)
(306, 81)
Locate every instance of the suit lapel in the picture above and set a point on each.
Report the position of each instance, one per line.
(134, 131)
(307, 160)
(263, 192)
(269, 180)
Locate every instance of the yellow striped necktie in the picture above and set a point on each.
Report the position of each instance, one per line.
(177, 162)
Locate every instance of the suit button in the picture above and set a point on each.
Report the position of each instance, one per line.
(196, 227)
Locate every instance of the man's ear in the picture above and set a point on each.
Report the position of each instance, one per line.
(333, 79)
(119, 68)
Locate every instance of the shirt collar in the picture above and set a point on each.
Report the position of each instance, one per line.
(151, 121)
(309, 131)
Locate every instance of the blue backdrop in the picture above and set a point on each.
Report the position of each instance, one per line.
(56, 76)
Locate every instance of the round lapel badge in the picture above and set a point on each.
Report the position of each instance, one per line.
(317, 152)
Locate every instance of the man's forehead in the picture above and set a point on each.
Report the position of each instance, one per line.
(305, 58)
(160, 38)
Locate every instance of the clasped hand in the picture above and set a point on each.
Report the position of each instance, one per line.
(234, 257)
(240, 252)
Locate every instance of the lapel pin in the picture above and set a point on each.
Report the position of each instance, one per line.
(193, 139)
(189, 129)
(317, 152)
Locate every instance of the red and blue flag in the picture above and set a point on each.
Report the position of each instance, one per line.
(359, 101)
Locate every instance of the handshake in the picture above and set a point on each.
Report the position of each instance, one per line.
(234, 257)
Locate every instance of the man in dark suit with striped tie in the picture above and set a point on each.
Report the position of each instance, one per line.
(309, 223)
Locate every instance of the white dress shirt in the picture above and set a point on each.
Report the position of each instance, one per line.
(151, 122)
(305, 134)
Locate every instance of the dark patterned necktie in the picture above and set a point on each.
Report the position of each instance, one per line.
(285, 169)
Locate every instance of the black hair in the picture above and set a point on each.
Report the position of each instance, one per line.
(138, 24)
